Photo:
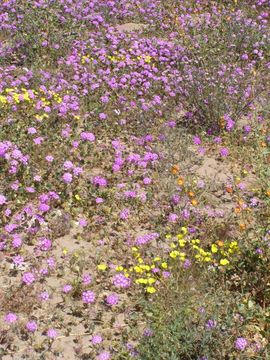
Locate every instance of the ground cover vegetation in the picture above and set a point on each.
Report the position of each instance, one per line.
(134, 179)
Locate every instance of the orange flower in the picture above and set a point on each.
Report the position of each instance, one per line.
(220, 243)
(180, 181)
(229, 189)
(175, 169)
(191, 194)
(194, 202)
(237, 210)
(242, 226)
(268, 192)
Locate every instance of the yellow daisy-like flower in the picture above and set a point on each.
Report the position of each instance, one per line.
(224, 262)
(119, 268)
(102, 267)
(174, 254)
(151, 290)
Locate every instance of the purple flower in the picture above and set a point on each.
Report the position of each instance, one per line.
(31, 130)
(17, 241)
(87, 279)
(66, 288)
(173, 218)
(96, 339)
(197, 140)
(187, 264)
(121, 281)
(241, 343)
(147, 181)
(43, 207)
(51, 333)
(112, 299)
(28, 278)
(87, 136)
(67, 177)
(99, 181)
(18, 260)
(224, 152)
(166, 274)
(144, 239)
(44, 296)
(11, 318)
(175, 199)
(102, 116)
(104, 355)
(88, 297)
(49, 158)
(124, 214)
(68, 165)
(3, 199)
(31, 326)
(148, 332)
(211, 324)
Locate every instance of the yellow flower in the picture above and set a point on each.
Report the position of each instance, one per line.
(151, 290)
(174, 254)
(151, 281)
(119, 268)
(224, 262)
(182, 243)
(138, 269)
(214, 248)
(77, 197)
(164, 265)
(141, 281)
(184, 230)
(102, 267)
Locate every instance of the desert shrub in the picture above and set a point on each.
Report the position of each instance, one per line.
(224, 66)
(197, 317)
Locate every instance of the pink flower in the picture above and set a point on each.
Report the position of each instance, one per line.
(102, 116)
(3, 199)
(67, 177)
(173, 218)
(51, 333)
(124, 214)
(31, 326)
(196, 140)
(104, 355)
(31, 130)
(112, 299)
(96, 339)
(88, 297)
(88, 136)
(147, 181)
(43, 207)
(224, 152)
(67, 288)
(86, 279)
(11, 318)
(49, 158)
(28, 278)
(121, 281)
